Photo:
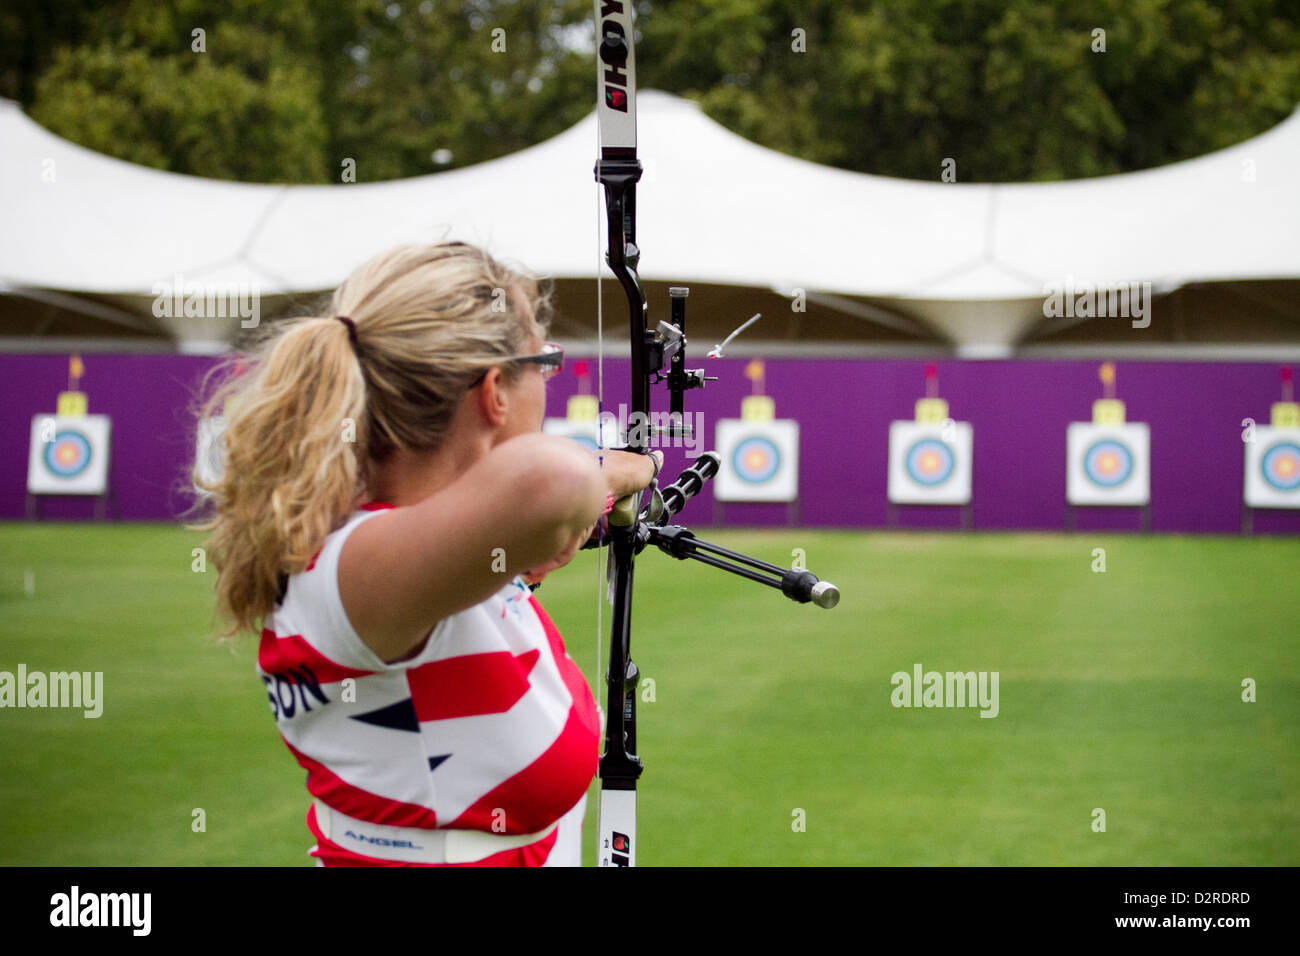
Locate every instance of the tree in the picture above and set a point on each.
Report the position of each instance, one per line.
(1010, 89)
(229, 90)
(1005, 89)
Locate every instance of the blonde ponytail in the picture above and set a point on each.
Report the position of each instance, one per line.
(316, 404)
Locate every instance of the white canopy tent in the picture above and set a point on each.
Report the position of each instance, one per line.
(972, 260)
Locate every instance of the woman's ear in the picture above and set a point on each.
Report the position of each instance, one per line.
(493, 399)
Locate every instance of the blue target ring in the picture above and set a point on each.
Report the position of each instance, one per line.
(68, 455)
(1281, 466)
(929, 462)
(1108, 463)
(755, 460)
(586, 441)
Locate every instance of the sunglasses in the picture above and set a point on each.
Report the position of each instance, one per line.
(550, 358)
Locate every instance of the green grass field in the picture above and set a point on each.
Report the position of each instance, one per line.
(1119, 690)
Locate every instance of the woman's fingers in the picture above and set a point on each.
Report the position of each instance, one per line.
(535, 575)
(628, 472)
(658, 457)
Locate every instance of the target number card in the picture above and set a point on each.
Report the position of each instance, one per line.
(1108, 464)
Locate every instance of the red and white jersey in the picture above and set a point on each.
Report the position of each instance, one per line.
(490, 727)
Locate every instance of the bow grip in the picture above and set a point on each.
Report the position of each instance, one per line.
(625, 511)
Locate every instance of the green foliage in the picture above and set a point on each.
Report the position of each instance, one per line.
(1009, 89)
(188, 112)
(478, 82)
(289, 92)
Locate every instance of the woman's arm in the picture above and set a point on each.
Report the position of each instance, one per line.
(404, 571)
(625, 473)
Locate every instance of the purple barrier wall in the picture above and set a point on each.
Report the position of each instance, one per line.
(1019, 411)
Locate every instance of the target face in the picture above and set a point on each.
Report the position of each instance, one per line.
(1280, 466)
(929, 462)
(69, 454)
(1108, 463)
(1272, 468)
(755, 460)
(760, 460)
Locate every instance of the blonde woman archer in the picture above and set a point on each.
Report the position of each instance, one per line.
(422, 687)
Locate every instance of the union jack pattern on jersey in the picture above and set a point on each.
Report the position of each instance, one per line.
(490, 727)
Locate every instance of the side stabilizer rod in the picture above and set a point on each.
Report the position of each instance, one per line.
(801, 586)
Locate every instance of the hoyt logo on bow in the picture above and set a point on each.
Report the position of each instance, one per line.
(613, 53)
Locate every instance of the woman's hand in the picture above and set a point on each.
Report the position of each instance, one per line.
(535, 575)
(626, 473)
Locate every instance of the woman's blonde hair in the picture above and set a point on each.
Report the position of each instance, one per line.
(309, 410)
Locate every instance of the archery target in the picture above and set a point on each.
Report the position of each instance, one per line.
(1281, 466)
(760, 460)
(756, 459)
(928, 464)
(68, 456)
(1273, 468)
(1108, 464)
